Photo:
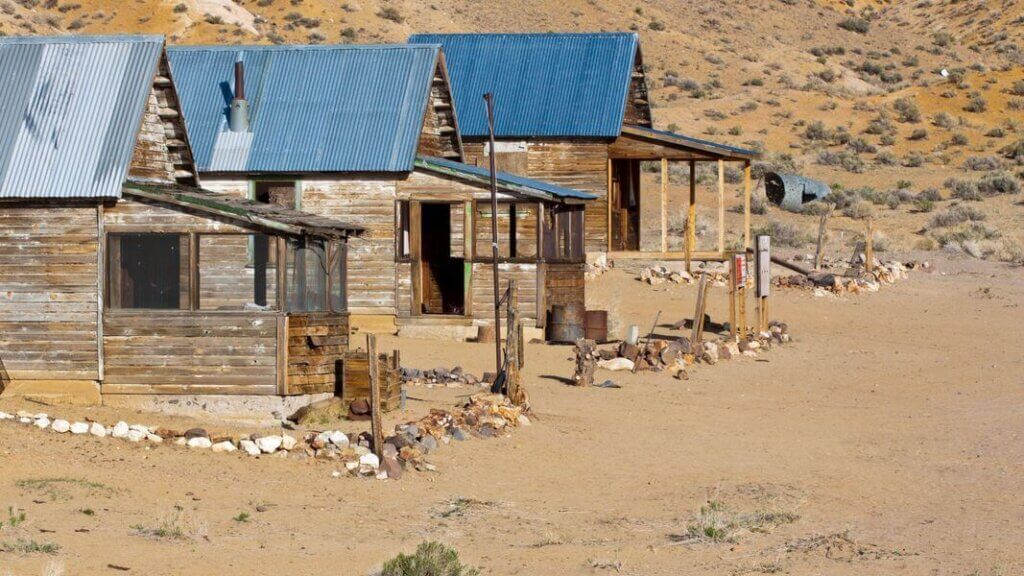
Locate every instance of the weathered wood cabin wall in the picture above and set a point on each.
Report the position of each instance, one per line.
(49, 296)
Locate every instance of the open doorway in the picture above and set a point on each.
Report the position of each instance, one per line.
(442, 273)
(624, 198)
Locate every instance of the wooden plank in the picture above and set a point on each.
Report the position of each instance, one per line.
(377, 426)
(691, 218)
(664, 204)
(721, 206)
(608, 203)
(746, 204)
(100, 280)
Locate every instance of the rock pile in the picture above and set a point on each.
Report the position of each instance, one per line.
(483, 416)
(440, 376)
(655, 275)
(887, 272)
(599, 266)
(676, 355)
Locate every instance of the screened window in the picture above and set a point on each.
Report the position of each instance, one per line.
(236, 272)
(148, 271)
(517, 230)
(307, 276)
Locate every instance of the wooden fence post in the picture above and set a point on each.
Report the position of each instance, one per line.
(373, 365)
(869, 246)
(819, 251)
(697, 333)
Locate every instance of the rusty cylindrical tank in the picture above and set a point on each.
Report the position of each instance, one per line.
(566, 325)
(596, 325)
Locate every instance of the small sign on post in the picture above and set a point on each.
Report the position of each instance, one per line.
(764, 279)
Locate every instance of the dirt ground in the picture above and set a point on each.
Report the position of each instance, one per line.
(886, 439)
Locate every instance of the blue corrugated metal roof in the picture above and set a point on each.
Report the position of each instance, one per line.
(509, 182)
(544, 85)
(312, 108)
(70, 110)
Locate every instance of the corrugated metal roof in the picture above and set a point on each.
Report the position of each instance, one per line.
(689, 142)
(70, 110)
(544, 85)
(506, 181)
(312, 108)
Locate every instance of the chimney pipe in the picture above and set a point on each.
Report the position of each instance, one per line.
(238, 118)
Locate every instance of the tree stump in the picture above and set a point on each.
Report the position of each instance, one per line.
(586, 362)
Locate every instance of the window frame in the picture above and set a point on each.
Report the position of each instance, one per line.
(403, 231)
(488, 257)
(109, 277)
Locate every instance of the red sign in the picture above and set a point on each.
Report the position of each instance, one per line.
(739, 269)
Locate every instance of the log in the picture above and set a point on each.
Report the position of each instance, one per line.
(586, 363)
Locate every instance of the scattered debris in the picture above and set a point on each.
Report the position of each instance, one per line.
(441, 376)
(598, 267)
(823, 282)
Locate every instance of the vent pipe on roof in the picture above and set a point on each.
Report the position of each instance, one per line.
(238, 114)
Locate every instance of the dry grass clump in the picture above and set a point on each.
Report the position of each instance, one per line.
(430, 559)
(715, 522)
(180, 524)
(955, 215)
(784, 234)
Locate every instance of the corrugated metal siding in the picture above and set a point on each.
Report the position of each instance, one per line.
(70, 109)
(312, 108)
(546, 85)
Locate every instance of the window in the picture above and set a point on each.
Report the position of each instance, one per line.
(279, 192)
(563, 233)
(517, 230)
(403, 238)
(148, 271)
(233, 278)
(307, 276)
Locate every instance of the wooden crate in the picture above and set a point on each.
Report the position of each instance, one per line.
(356, 379)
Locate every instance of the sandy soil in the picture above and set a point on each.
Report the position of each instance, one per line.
(892, 424)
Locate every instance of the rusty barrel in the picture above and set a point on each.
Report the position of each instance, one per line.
(566, 323)
(595, 325)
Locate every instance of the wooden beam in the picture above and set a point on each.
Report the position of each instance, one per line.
(691, 217)
(101, 276)
(608, 203)
(746, 204)
(664, 204)
(721, 206)
(376, 425)
(696, 255)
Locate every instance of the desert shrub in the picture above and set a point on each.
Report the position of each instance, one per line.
(967, 232)
(918, 134)
(816, 131)
(181, 7)
(1014, 151)
(913, 160)
(998, 183)
(886, 158)
(958, 139)
(923, 205)
(1015, 104)
(784, 234)
(773, 162)
(430, 559)
(656, 25)
(956, 215)
(845, 159)
(858, 210)
(907, 110)
(942, 39)
(391, 13)
(996, 132)
(348, 34)
(880, 125)
(944, 120)
(963, 190)
(976, 103)
(862, 146)
(931, 194)
(981, 163)
(854, 24)
(1017, 89)
(880, 197)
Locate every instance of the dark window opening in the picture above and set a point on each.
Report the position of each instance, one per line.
(148, 271)
(563, 234)
(442, 280)
(278, 192)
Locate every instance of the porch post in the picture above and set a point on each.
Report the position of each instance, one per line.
(664, 204)
(721, 206)
(691, 216)
(608, 208)
(746, 204)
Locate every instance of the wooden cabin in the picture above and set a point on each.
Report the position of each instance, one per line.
(123, 278)
(369, 134)
(574, 109)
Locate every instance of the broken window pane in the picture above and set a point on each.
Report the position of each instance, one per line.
(339, 282)
(281, 193)
(307, 276)
(236, 272)
(148, 271)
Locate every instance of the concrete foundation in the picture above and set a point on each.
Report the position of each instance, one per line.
(74, 392)
(248, 408)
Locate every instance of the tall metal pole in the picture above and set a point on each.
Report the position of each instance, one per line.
(489, 99)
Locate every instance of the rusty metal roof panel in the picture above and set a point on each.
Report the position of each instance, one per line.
(70, 110)
(316, 108)
(544, 85)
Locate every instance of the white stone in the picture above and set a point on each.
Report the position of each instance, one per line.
(61, 426)
(135, 436)
(225, 446)
(287, 442)
(120, 430)
(616, 364)
(181, 441)
(249, 447)
(199, 442)
(6, 416)
(351, 465)
(79, 428)
(269, 444)
(154, 439)
(25, 414)
(361, 450)
(42, 423)
(369, 460)
(25, 420)
(140, 428)
(382, 475)
(524, 420)
(339, 439)
(97, 429)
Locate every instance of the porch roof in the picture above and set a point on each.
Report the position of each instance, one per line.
(506, 182)
(271, 217)
(647, 143)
